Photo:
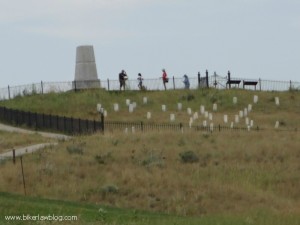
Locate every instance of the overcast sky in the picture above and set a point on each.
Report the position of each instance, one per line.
(252, 38)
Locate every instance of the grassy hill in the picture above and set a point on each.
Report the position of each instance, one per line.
(192, 177)
(83, 105)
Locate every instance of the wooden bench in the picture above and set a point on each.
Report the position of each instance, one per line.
(230, 82)
(249, 83)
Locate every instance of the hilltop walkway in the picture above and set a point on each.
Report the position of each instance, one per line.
(32, 148)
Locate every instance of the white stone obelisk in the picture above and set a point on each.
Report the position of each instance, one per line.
(85, 69)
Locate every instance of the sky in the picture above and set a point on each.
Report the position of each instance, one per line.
(251, 38)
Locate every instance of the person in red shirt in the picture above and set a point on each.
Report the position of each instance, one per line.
(165, 78)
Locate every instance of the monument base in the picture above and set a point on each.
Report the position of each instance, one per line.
(85, 84)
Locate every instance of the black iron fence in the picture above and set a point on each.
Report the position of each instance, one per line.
(215, 81)
(132, 127)
(45, 122)
(75, 126)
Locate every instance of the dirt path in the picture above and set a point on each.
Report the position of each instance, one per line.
(44, 134)
(31, 148)
(25, 150)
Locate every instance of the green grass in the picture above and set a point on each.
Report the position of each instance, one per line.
(83, 105)
(16, 205)
(10, 140)
(238, 177)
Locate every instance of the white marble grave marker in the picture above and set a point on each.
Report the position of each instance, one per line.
(247, 121)
(148, 115)
(211, 127)
(127, 102)
(189, 111)
(277, 101)
(241, 114)
(99, 107)
(215, 107)
(145, 100)
(195, 116)
(134, 105)
(225, 118)
(249, 108)
(202, 109)
(130, 108)
(277, 125)
(116, 107)
(172, 117)
(245, 112)
(236, 119)
(255, 99)
(234, 100)
(206, 114)
(179, 106)
(210, 116)
(191, 122)
(164, 108)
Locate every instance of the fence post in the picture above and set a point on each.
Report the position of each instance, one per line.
(36, 121)
(199, 79)
(72, 127)
(219, 128)
(79, 126)
(291, 87)
(207, 83)
(8, 91)
(23, 175)
(57, 123)
(42, 87)
(173, 83)
(94, 125)
(215, 82)
(65, 124)
(102, 122)
(259, 84)
(107, 84)
(14, 156)
(75, 85)
(142, 126)
(43, 120)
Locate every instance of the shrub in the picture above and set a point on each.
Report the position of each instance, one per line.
(75, 149)
(153, 159)
(104, 158)
(188, 157)
(109, 189)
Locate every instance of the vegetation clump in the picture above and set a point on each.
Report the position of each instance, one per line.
(75, 149)
(188, 157)
(103, 158)
(109, 189)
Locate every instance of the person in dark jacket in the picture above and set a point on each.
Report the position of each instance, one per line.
(122, 79)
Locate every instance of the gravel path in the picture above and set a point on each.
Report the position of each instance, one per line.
(32, 148)
(44, 134)
(25, 150)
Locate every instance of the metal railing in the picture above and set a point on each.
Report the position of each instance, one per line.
(175, 83)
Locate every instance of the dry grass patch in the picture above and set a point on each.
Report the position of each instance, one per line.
(235, 171)
(10, 140)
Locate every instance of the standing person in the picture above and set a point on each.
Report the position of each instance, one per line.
(186, 81)
(165, 78)
(122, 78)
(140, 80)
